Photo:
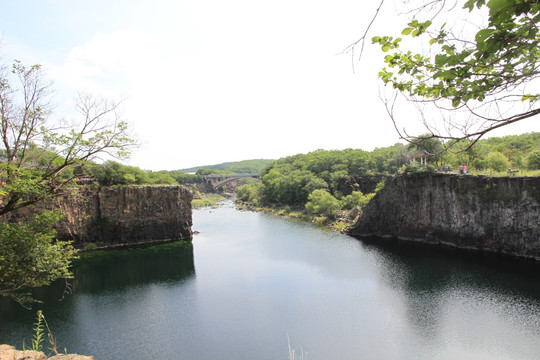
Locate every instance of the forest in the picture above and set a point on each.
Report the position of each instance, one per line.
(290, 180)
(309, 182)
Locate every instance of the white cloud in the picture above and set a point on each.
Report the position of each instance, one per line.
(109, 63)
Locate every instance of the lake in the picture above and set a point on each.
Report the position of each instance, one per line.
(250, 281)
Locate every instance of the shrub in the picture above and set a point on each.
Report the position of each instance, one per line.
(357, 198)
(322, 202)
(533, 160)
(497, 161)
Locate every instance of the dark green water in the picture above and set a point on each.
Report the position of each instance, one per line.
(250, 280)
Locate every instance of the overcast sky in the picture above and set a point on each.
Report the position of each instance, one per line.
(210, 81)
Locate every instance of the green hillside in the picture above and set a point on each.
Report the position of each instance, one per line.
(237, 167)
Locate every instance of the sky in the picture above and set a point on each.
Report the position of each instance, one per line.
(212, 81)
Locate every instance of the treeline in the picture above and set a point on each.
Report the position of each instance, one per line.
(115, 173)
(236, 167)
(310, 181)
(292, 179)
(491, 155)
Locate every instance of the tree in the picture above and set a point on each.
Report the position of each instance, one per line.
(431, 146)
(39, 156)
(497, 161)
(533, 160)
(477, 79)
(322, 202)
(31, 257)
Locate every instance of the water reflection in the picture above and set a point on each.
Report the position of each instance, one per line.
(452, 297)
(119, 269)
(120, 272)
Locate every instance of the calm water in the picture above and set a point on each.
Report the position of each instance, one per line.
(250, 280)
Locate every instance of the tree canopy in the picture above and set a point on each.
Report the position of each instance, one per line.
(38, 157)
(40, 153)
(477, 77)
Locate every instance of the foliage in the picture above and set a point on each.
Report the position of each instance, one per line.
(39, 331)
(251, 192)
(31, 257)
(237, 167)
(290, 181)
(322, 202)
(356, 198)
(533, 160)
(207, 200)
(40, 155)
(485, 73)
(498, 161)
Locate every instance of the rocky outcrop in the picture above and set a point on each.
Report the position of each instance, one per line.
(116, 216)
(490, 214)
(364, 183)
(8, 352)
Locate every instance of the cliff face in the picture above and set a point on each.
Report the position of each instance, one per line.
(112, 216)
(364, 183)
(490, 214)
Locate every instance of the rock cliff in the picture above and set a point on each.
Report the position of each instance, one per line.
(115, 216)
(490, 214)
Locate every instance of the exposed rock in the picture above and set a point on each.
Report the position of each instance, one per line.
(114, 216)
(364, 183)
(8, 352)
(475, 212)
(71, 357)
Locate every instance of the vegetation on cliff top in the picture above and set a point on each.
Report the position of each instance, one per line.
(310, 183)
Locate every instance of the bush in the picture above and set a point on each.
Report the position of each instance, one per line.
(251, 192)
(322, 202)
(357, 198)
(533, 160)
(497, 161)
(30, 256)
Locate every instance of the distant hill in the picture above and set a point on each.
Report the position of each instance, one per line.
(238, 167)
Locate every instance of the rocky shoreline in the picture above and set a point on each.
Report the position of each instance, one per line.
(8, 352)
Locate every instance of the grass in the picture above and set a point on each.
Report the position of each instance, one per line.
(207, 200)
(521, 173)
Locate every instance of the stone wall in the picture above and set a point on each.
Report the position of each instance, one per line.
(115, 216)
(490, 214)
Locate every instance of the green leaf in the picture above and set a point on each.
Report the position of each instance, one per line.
(482, 35)
(406, 31)
(496, 6)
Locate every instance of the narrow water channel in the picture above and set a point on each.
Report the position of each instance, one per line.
(251, 280)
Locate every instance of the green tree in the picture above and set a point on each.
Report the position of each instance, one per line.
(431, 146)
(484, 75)
(497, 161)
(322, 202)
(251, 192)
(31, 257)
(533, 160)
(356, 198)
(40, 158)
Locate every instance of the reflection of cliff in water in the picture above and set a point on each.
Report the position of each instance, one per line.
(117, 269)
(428, 277)
(101, 271)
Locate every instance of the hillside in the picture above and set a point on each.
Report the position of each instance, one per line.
(244, 166)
